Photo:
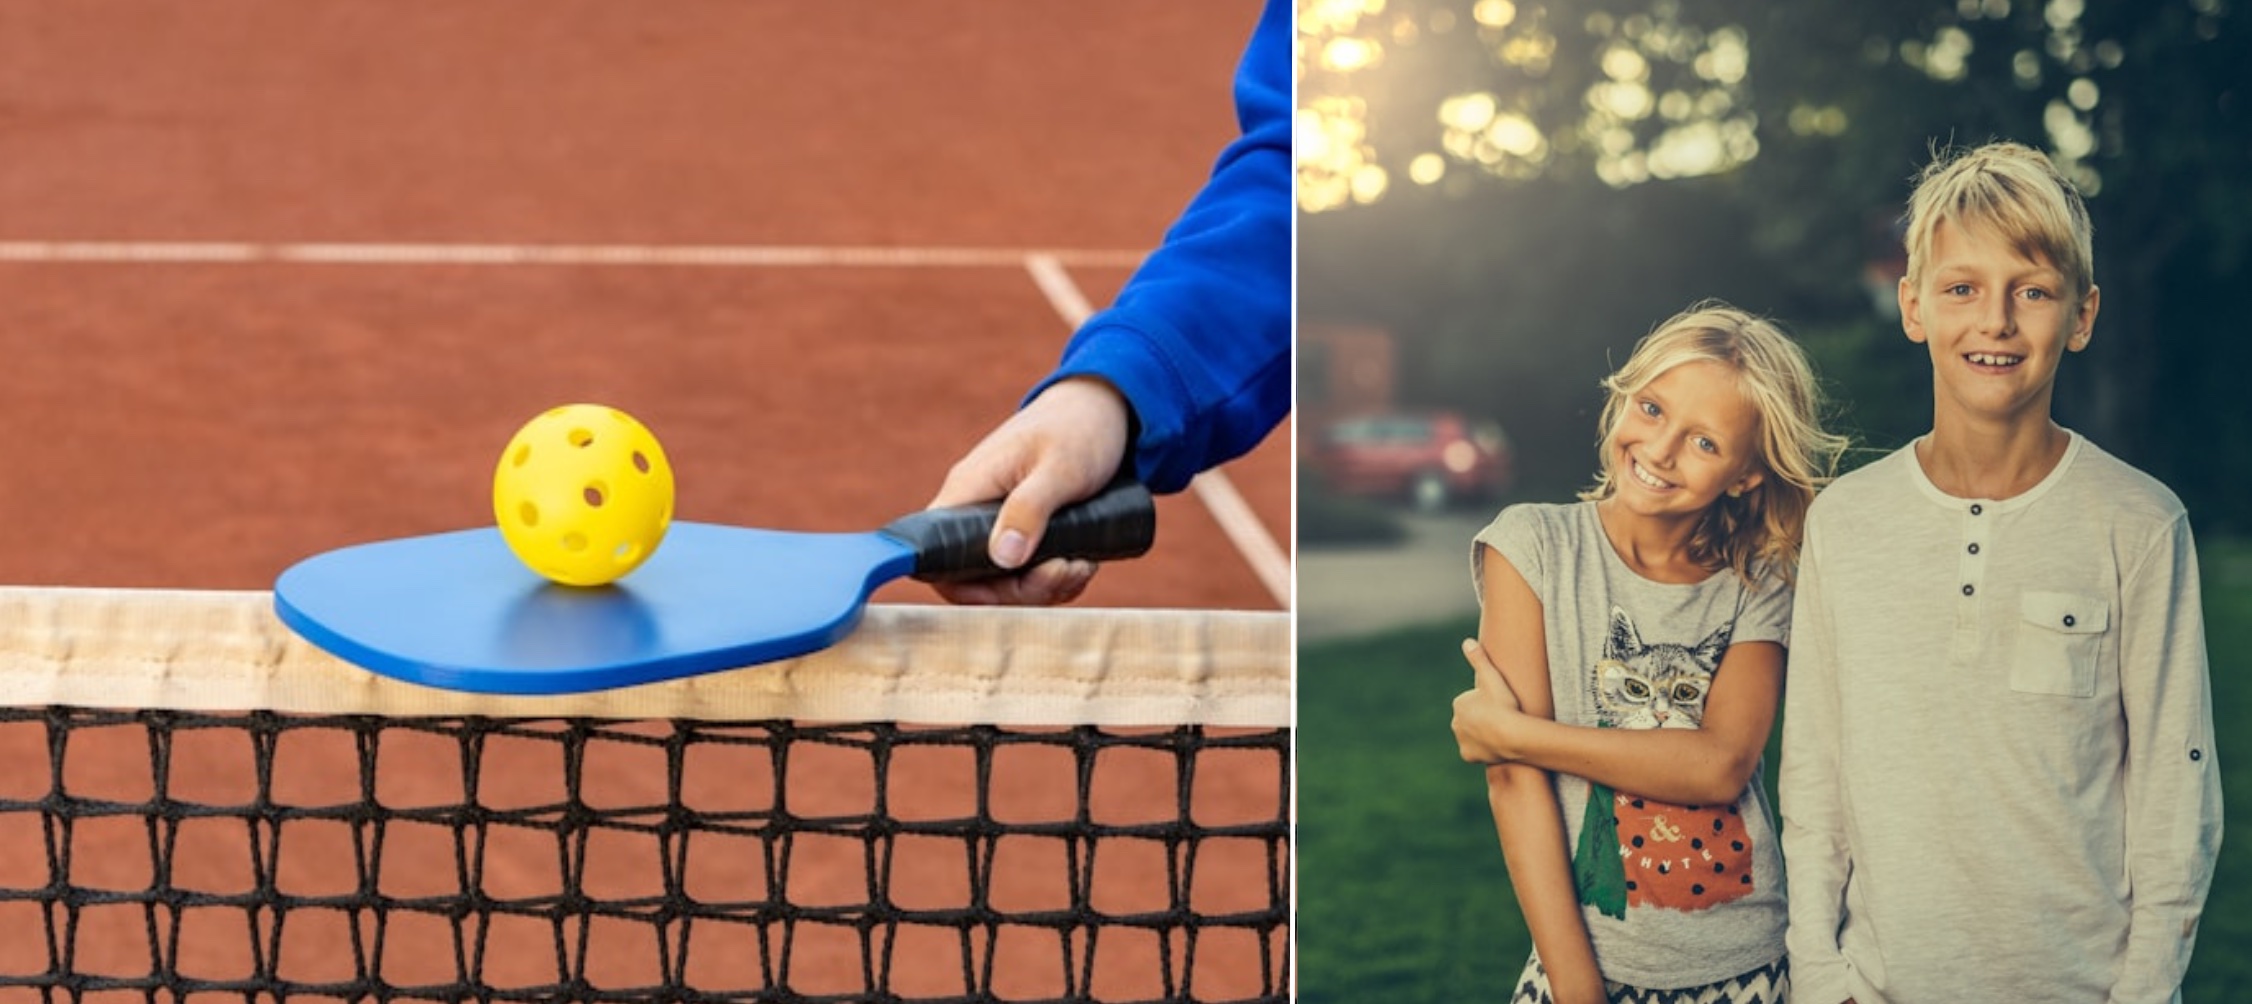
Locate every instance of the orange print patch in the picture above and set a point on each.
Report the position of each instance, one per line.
(1682, 857)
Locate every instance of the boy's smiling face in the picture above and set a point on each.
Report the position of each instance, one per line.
(1997, 324)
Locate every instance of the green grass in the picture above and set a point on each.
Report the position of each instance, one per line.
(2222, 966)
(1401, 892)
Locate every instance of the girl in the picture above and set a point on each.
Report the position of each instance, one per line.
(1641, 630)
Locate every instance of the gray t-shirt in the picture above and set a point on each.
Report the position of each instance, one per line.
(1703, 884)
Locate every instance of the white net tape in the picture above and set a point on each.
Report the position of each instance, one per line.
(209, 651)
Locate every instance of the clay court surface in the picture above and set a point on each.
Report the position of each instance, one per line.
(242, 323)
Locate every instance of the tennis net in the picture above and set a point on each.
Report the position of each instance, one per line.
(195, 805)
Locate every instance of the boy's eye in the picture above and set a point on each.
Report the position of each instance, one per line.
(2036, 293)
(1959, 289)
(1649, 408)
(1707, 445)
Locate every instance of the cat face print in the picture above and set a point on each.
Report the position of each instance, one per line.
(1660, 685)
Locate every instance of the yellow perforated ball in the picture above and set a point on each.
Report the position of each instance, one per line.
(583, 494)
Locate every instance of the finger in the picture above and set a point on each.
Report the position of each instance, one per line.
(1483, 673)
(1461, 711)
(1045, 584)
(986, 472)
(1055, 581)
(1467, 741)
(1024, 514)
(969, 594)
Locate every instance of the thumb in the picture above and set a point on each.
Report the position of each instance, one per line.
(1024, 514)
(1484, 674)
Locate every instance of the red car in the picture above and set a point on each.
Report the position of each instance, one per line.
(1431, 459)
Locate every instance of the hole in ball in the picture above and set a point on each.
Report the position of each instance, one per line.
(574, 542)
(625, 552)
(593, 494)
(640, 463)
(523, 453)
(529, 513)
(581, 438)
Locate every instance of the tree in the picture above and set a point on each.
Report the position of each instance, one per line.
(1521, 189)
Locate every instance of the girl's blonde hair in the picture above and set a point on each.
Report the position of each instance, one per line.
(1760, 528)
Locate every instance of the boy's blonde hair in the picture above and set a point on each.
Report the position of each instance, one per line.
(1762, 527)
(2014, 192)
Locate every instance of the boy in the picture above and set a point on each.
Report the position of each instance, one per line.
(1998, 778)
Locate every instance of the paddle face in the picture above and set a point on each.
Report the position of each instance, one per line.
(458, 610)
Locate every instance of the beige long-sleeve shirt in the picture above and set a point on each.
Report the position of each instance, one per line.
(1998, 779)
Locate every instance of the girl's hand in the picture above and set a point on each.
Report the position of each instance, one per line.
(1486, 715)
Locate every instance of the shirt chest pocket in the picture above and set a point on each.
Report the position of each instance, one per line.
(2059, 643)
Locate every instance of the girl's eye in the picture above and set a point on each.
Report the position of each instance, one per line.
(1649, 408)
(1707, 445)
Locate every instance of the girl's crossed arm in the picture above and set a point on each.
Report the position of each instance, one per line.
(1496, 722)
(1523, 799)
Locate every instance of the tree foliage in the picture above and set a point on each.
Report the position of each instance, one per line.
(1520, 189)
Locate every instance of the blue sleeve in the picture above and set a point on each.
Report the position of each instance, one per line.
(1198, 341)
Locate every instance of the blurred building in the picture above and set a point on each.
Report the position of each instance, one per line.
(1345, 370)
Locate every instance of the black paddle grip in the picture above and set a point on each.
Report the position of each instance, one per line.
(951, 544)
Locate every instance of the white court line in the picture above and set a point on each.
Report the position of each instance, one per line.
(722, 255)
(1219, 494)
(1047, 268)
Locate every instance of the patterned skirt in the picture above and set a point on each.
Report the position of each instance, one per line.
(1769, 984)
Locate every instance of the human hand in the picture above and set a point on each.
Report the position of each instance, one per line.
(1485, 715)
(1061, 448)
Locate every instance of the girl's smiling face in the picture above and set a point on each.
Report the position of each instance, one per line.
(1686, 437)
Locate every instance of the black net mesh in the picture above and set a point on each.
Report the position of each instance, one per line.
(172, 856)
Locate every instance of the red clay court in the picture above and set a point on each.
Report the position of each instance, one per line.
(201, 424)
(278, 277)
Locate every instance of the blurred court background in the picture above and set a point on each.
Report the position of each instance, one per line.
(1498, 197)
(280, 277)
(185, 417)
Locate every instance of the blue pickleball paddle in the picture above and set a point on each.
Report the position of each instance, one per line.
(459, 611)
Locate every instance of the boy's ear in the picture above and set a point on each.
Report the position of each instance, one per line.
(1910, 321)
(2084, 327)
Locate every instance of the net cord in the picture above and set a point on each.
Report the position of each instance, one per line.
(197, 650)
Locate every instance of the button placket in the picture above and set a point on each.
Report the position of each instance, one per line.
(1977, 534)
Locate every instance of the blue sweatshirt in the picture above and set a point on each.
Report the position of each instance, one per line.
(1199, 339)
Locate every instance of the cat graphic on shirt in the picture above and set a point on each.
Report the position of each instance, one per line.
(1640, 685)
(1676, 857)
